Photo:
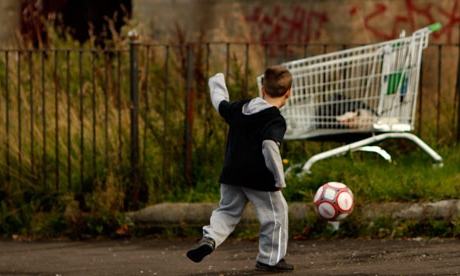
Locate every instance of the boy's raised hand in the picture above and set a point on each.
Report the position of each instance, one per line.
(218, 90)
(216, 80)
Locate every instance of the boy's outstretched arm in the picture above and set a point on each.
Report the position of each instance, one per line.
(218, 90)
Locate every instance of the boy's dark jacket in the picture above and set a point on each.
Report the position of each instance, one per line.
(244, 162)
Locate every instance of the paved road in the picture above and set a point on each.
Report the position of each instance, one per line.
(161, 257)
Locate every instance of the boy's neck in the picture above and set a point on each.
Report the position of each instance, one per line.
(278, 102)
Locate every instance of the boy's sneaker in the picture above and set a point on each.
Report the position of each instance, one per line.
(281, 266)
(204, 247)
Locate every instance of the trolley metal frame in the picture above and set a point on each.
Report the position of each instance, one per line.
(369, 90)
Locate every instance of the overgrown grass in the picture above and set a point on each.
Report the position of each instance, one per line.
(410, 177)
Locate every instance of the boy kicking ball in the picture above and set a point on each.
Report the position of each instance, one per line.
(253, 170)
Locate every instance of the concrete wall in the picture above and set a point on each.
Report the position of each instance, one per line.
(292, 21)
(295, 21)
(9, 22)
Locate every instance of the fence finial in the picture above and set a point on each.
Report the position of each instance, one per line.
(133, 35)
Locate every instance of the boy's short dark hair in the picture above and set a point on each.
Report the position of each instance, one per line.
(277, 81)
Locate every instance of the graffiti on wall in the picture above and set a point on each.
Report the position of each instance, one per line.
(413, 13)
(299, 25)
(296, 25)
(302, 25)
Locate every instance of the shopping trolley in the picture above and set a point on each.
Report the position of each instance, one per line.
(368, 93)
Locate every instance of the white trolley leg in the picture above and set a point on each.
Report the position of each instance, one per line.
(363, 143)
(376, 149)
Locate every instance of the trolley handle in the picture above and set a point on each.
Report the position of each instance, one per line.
(434, 27)
(424, 32)
(431, 28)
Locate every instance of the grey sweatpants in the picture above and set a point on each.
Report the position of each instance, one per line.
(271, 210)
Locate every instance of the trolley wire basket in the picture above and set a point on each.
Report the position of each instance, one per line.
(368, 91)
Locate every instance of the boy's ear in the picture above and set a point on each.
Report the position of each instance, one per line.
(288, 93)
(263, 92)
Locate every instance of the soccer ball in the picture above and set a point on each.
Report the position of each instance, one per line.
(333, 201)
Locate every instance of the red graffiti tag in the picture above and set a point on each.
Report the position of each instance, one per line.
(413, 16)
(452, 21)
(298, 25)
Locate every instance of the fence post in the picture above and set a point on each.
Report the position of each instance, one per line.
(189, 114)
(457, 88)
(133, 188)
(457, 91)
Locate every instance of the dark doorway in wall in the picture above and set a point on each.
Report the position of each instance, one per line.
(82, 19)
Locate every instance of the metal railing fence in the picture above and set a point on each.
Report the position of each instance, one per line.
(139, 120)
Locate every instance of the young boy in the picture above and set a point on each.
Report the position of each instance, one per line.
(253, 170)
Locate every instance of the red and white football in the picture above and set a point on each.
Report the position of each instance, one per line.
(333, 201)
